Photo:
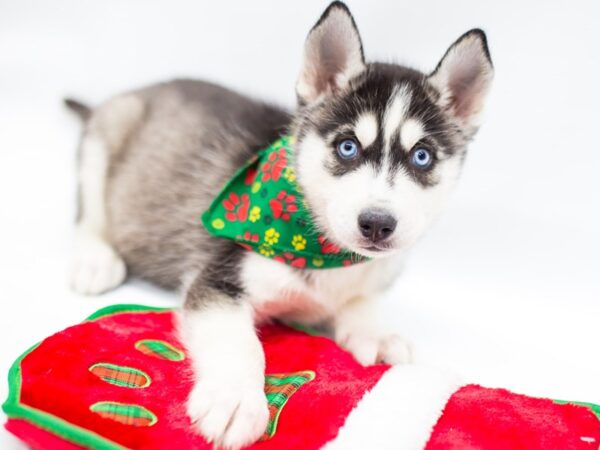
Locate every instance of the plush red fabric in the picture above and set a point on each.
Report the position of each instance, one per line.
(478, 418)
(36, 437)
(56, 380)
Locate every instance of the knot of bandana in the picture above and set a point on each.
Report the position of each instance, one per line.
(263, 210)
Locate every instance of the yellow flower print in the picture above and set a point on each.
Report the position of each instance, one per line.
(254, 214)
(271, 236)
(265, 250)
(298, 242)
(289, 174)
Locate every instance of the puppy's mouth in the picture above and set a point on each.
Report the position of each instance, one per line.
(371, 249)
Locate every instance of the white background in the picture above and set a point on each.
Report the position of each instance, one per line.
(504, 290)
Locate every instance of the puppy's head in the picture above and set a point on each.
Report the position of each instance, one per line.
(380, 146)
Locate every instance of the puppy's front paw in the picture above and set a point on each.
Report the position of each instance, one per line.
(390, 349)
(394, 349)
(227, 414)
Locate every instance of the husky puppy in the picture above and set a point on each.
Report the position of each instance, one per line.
(378, 148)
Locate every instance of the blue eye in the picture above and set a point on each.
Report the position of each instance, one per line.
(421, 158)
(347, 149)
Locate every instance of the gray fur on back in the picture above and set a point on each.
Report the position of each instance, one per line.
(190, 138)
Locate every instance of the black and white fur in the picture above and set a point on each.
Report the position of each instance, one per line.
(152, 160)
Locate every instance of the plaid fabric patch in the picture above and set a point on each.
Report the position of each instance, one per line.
(159, 349)
(278, 389)
(120, 375)
(135, 415)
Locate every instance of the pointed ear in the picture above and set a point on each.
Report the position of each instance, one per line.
(333, 55)
(463, 77)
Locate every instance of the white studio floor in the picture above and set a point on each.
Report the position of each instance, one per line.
(504, 290)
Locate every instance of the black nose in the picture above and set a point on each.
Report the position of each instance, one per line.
(376, 224)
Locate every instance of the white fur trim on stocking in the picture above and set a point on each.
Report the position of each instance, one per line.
(399, 413)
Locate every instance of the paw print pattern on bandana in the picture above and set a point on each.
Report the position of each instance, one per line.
(328, 247)
(254, 214)
(290, 259)
(275, 164)
(283, 206)
(271, 236)
(298, 242)
(263, 210)
(237, 207)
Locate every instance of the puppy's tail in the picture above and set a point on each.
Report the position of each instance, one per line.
(81, 109)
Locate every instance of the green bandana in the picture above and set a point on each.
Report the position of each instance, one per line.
(263, 210)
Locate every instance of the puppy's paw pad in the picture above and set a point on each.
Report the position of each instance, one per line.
(96, 267)
(394, 349)
(227, 415)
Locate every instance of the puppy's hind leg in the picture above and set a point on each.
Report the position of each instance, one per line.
(96, 266)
